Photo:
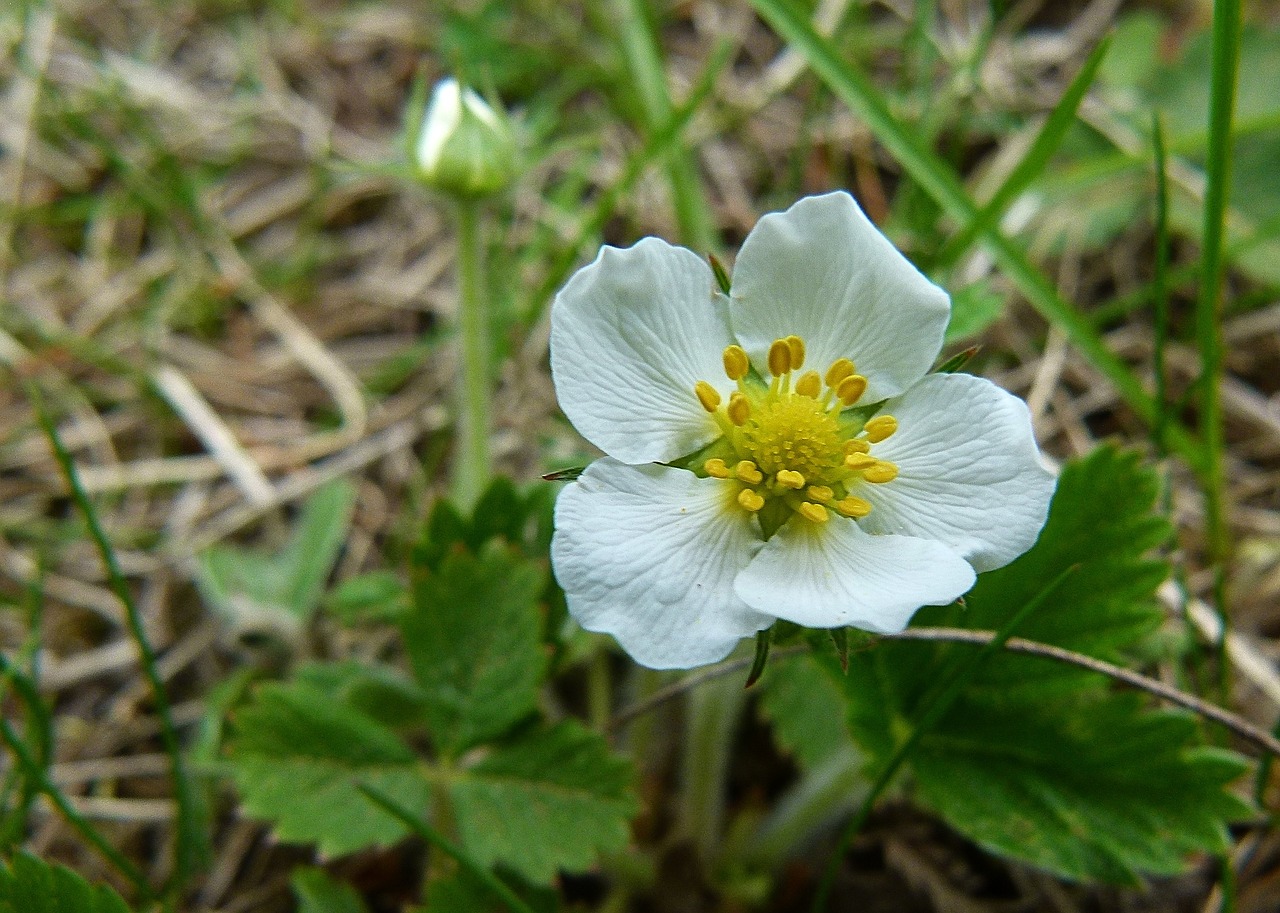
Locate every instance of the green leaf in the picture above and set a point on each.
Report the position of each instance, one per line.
(381, 693)
(806, 708)
(372, 597)
(473, 640)
(30, 885)
(1038, 760)
(297, 756)
(973, 309)
(553, 799)
(317, 892)
(1103, 791)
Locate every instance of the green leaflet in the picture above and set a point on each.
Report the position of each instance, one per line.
(551, 799)
(1043, 762)
(317, 892)
(297, 758)
(30, 885)
(473, 642)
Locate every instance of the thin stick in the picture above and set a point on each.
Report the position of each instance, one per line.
(1238, 725)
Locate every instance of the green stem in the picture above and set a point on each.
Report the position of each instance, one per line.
(713, 714)
(471, 466)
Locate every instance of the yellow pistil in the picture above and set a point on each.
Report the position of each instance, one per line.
(736, 363)
(707, 395)
(796, 346)
(809, 384)
(716, 468)
(882, 471)
(789, 479)
(779, 358)
(839, 370)
(853, 507)
(850, 389)
(784, 439)
(815, 512)
(880, 427)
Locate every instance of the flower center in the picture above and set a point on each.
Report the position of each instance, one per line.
(788, 446)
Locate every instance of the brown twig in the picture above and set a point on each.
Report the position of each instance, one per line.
(1240, 726)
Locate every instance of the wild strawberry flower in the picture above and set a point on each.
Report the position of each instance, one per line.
(780, 451)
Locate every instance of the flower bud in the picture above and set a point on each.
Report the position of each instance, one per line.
(465, 147)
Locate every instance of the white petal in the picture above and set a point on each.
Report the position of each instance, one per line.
(649, 554)
(444, 113)
(833, 574)
(631, 335)
(823, 272)
(969, 472)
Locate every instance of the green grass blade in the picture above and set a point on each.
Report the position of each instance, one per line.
(442, 843)
(191, 845)
(644, 62)
(1226, 62)
(1160, 280)
(942, 184)
(1032, 164)
(934, 712)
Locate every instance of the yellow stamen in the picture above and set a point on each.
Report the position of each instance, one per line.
(820, 493)
(883, 471)
(716, 468)
(853, 507)
(779, 358)
(789, 479)
(809, 384)
(796, 346)
(860, 461)
(839, 370)
(852, 447)
(815, 512)
(707, 395)
(736, 363)
(739, 408)
(749, 500)
(747, 471)
(880, 428)
(851, 389)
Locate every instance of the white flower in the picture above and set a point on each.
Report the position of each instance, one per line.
(465, 147)
(779, 452)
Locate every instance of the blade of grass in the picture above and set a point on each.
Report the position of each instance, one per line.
(442, 843)
(190, 847)
(644, 63)
(932, 714)
(1222, 91)
(1160, 283)
(1042, 148)
(945, 187)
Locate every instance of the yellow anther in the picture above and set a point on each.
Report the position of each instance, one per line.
(815, 512)
(779, 358)
(788, 478)
(707, 395)
(820, 493)
(883, 471)
(716, 468)
(850, 389)
(749, 500)
(839, 370)
(852, 447)
(880, 428)
(809, 384)
(853, 507)
(739, 408)
(796, 345)
(747, 471)
(736, 363)
(860, 461)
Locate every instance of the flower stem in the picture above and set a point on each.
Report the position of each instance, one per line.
(471, 465)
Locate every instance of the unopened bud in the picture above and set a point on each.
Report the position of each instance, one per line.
(465, 147)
